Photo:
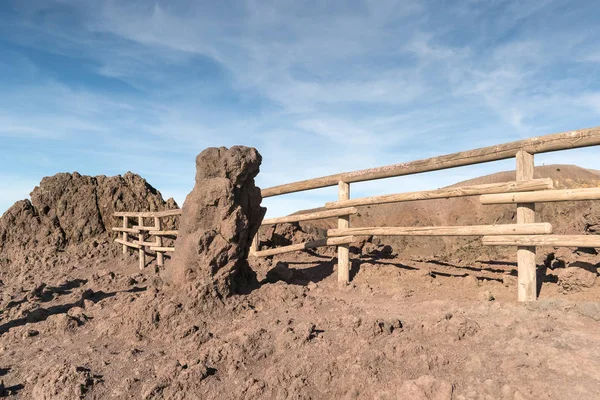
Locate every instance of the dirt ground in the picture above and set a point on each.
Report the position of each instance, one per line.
(401, 330)
(423, 318)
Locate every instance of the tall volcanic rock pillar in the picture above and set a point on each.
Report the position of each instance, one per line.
(219, 219)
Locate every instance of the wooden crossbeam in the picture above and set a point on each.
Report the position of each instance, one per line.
(167, 249)
(589, 241)
(542, 197)
(127, 230)
(311, 216)
(146, 243)
(163, 233)
(445, 193)
(146, 228)
(128, 244)
(536, 145)
(473, 230)
(148, 214)
(304, 246)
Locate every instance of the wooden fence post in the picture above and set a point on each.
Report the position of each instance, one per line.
(160, 257)
(527, 285)
(344, 249)
(125, 234)
(141, 239)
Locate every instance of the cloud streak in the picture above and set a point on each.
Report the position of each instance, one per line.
(318, 88)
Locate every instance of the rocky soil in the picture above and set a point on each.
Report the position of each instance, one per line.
(411, 325)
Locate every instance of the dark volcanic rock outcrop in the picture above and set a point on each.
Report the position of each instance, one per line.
(220, 217)
(70, 216)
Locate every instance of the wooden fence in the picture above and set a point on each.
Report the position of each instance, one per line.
(525, 191)
(140, 230)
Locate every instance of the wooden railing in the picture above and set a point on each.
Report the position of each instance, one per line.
(141, 230)
(524, 192)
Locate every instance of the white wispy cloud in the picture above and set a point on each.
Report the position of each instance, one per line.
(318, 90)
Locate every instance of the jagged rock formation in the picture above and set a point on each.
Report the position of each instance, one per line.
(70, 216)
(220, 217)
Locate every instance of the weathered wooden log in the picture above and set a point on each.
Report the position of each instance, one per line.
(474, 190)
(473, 230)
(311, 216)
(166, 249)
(526, 268)
(304, 246)
(125, 235)
(141, 239)
(160, 257)
(148, 214)
(163, 233)
(589, 241)
(542, 197)
(146, 228)
(126, 230)
(146, 243)
(128, 244)
(343, 249)
(536, 145)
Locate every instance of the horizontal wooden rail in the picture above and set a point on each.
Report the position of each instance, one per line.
(128, 230)
(149, 214)
(474, 230)
(146, 228)
(128, 244)
(156, 248)
(164, 233)
(311, 216)
(304, 246)
(536, 145)
(591, 241)
(541, 197)
(474, 190)
(145, 243)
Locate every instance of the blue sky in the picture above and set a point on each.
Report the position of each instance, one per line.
(105, 87)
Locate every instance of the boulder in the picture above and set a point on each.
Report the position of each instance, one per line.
(577, 276)
(219, 219)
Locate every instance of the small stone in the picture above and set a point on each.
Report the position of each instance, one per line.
(487, 296)
(306, 331)
(104, 272)
(76, 312)
(425, 273)
(387, 326)
(574, 278)
(509, 280)
(31, 333)
(87, 304)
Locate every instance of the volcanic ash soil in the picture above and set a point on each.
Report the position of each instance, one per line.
(401, 330)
